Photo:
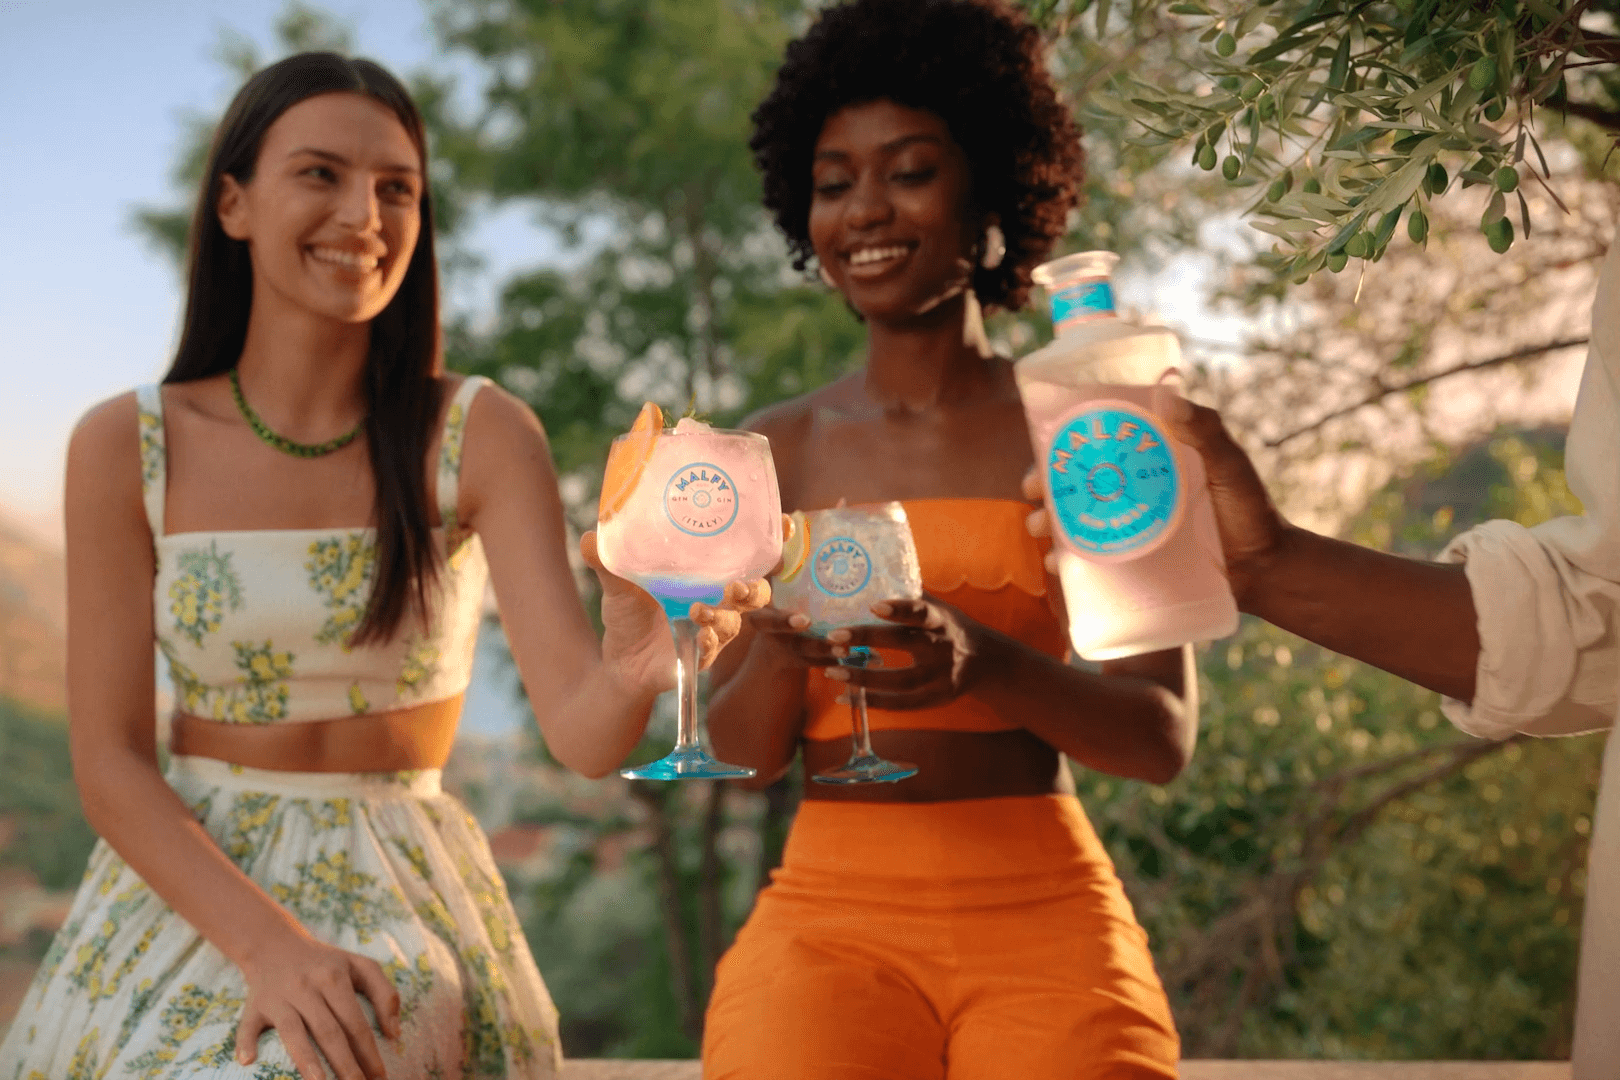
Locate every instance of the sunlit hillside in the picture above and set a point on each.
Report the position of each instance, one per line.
(33, 620)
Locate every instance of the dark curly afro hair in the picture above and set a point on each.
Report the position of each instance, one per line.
(974, 63)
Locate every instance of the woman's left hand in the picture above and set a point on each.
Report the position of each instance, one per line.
(946, 648)
(636, 638)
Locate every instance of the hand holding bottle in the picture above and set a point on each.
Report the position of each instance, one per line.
(1249, 525)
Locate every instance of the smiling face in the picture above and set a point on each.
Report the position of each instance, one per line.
(333, 210)
(889, 210)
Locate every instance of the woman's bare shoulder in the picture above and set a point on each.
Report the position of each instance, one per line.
(789, 422)
(506, 420)
(109, 427)
(104, 475)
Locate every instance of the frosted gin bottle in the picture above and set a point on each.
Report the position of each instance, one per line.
(1138, 555)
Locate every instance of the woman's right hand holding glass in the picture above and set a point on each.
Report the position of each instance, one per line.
(309, 992)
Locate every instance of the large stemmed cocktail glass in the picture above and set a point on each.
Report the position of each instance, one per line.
(842, 561)
(683, 513)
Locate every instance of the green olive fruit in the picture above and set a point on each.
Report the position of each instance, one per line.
(1417, 227)
(1499, 234)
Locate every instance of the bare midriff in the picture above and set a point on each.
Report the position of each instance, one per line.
(950, 765)
(417, 737)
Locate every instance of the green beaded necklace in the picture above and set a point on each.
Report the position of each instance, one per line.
(281, 442)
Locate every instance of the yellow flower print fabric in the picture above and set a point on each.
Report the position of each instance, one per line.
(254, 627)
(385, 865)
(206, 587)
(340, 571)
(455, 430)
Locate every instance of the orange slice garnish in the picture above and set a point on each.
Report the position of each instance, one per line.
(628, 459)
(796, 552)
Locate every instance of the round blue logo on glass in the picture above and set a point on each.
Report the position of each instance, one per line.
(841, 567)
(700, 499)
(1116, 488)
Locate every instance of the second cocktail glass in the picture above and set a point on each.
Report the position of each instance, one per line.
(683, 513)
(841, 562)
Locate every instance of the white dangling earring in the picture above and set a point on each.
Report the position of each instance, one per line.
(973, 335)
(995, 247)
(826, 276)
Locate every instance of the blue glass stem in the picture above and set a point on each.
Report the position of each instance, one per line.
(686, 679)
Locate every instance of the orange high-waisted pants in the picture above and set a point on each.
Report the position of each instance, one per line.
(982, 939)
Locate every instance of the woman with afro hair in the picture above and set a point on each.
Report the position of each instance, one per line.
(965, 923)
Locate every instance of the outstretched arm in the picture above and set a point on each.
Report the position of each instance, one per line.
(592, 698)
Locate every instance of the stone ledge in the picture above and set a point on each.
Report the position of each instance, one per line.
(586, 1069)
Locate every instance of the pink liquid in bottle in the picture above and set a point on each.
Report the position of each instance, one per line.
(1139, 558)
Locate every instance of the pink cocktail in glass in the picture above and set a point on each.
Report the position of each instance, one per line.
(694, 509)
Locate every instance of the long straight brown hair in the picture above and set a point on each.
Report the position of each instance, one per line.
(405, 358)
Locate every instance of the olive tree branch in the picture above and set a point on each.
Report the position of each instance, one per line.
(1385, 390)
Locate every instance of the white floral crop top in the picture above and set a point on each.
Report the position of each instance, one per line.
(255, 623)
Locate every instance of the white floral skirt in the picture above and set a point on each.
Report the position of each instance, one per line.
(381, 864)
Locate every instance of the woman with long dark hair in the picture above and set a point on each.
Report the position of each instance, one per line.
(965, 922)
(302, 518)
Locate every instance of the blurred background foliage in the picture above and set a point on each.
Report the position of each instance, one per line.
(1340, 873)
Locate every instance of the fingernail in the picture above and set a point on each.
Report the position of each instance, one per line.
(882, 607)
(836, 674)
(798, 622)
(838, 636)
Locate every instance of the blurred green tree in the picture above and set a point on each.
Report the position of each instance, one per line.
(1342, 115)
(50, 837)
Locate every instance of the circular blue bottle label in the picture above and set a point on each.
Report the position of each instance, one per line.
(1115, 487)
(700, 499)
(841, 567)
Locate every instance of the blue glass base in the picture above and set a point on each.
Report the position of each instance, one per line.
(692, 764)
(867, 769)
(677, 597)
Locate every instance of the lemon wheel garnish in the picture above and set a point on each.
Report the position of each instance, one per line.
(797, 549)
(628, 459)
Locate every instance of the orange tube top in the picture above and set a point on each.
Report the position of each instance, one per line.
(975, 555)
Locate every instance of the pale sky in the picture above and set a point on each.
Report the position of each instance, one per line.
(92, 97)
